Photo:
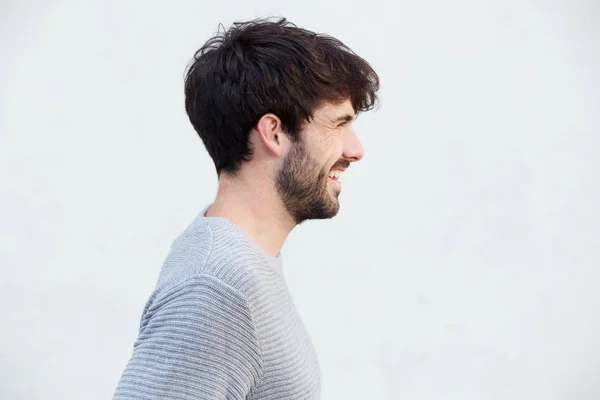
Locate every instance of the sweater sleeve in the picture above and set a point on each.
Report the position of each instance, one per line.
(196, 341)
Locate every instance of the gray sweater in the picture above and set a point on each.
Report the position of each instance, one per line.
(220, 325)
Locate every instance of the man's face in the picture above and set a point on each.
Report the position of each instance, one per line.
(309, 179)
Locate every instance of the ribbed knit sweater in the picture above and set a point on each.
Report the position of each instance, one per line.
(220, 324)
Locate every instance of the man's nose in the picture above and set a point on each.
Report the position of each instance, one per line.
(353, 150)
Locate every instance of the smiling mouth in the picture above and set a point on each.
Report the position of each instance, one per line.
(334, 176)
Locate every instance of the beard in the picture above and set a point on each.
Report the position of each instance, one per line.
(304, 188)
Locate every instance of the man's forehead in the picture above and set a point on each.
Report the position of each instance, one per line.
(335, 111)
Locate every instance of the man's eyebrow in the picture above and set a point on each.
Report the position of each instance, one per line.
(343, 118)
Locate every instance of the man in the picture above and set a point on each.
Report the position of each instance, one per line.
(274, 106)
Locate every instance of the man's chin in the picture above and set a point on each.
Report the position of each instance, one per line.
(323, 213)
(332, 210)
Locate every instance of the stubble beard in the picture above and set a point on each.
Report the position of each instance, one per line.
(304, 188)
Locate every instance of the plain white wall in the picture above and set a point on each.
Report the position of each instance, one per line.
(464, 263)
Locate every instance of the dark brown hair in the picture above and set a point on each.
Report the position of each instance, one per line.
(268, 66)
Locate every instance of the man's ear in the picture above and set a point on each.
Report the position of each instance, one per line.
(270, 133)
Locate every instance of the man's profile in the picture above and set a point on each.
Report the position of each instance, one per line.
(274, 106)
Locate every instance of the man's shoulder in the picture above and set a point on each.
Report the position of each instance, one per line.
(210, 247)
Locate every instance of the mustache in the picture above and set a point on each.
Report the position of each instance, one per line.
(344, 164)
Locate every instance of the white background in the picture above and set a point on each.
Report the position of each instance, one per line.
(464, 263)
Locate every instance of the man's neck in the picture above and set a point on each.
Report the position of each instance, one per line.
(256, 208)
